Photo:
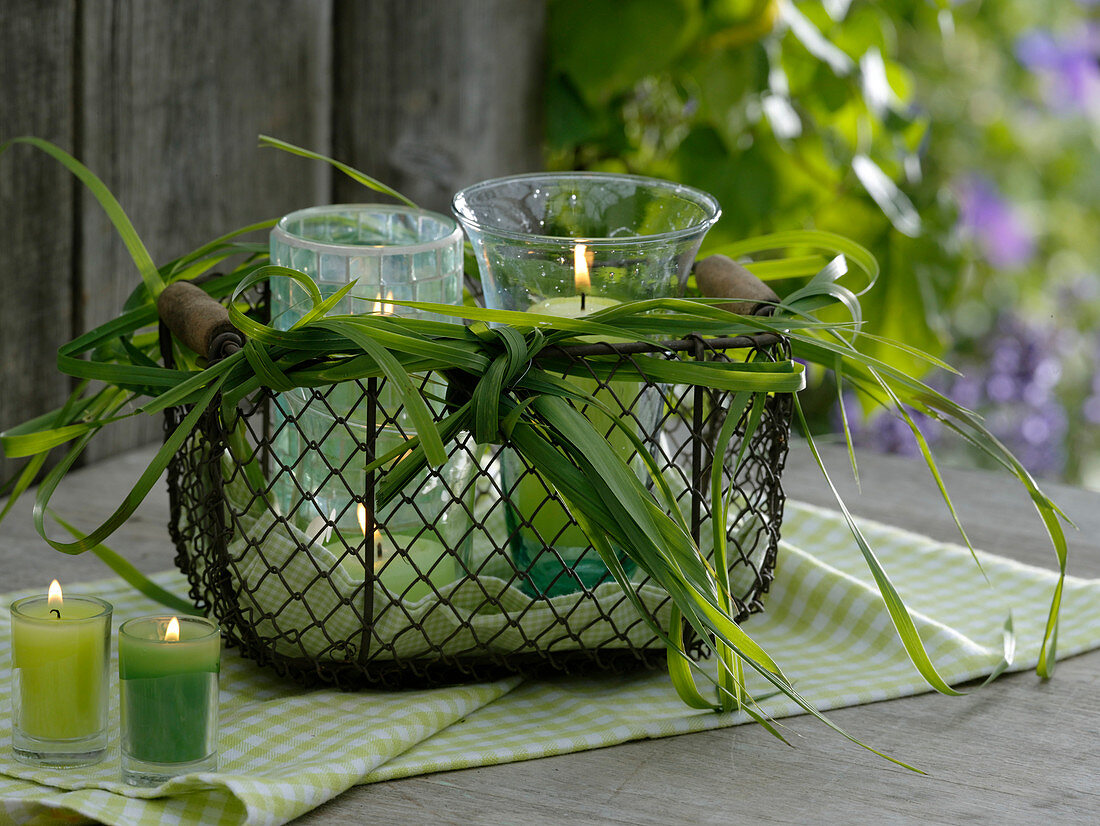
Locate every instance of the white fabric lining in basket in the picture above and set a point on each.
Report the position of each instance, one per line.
(312, 614)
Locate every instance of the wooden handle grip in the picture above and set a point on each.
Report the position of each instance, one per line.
(198, 320)
(719, 276)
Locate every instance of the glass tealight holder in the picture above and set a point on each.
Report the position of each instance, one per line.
(60, 680)
(640, 236)
(392, 253)
(168, 682)
(571, 244)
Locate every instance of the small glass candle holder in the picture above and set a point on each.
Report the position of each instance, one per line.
(168, 678)
(60, 651)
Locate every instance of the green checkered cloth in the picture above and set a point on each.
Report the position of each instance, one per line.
(285, 749)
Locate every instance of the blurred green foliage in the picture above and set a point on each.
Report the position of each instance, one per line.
(792, 116)
(1012, 90)
(871, 119)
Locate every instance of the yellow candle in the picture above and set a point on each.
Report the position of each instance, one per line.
(419, 564)
(60, 649)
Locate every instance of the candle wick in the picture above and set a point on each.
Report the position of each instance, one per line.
(379, 550)
(582, 301)
(55, 612)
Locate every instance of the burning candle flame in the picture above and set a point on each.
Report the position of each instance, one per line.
(53, 599)
(385, 306)
(580, 269)
(172, 634)
(361, 515)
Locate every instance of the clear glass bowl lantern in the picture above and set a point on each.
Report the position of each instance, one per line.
(570, 244)
(640, 235)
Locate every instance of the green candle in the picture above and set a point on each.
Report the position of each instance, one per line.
(548, 519)
(551, 519)
(60, 649)
(168, 673)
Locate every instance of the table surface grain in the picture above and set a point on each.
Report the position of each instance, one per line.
(1022, 750)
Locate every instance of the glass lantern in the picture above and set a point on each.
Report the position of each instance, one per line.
(571, 244)
(392, 253)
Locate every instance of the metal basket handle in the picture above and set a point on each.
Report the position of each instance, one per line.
(198, 320)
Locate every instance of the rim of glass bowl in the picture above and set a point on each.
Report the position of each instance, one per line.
(707, 202)
(296, 240)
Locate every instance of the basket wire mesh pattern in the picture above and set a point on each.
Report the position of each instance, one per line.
(462, 575)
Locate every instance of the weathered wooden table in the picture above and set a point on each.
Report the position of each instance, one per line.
(1020, 751)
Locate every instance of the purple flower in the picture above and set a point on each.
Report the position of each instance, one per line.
(886, 431)
(1011, 379)
(1092, 409)
(1000, 231)
(1001, 388)
(967, 390)
(1044, 379)
(1067, 66)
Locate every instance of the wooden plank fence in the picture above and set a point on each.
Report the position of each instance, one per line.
(164, 100)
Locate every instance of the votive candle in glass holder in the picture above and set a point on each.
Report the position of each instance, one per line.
(326, 437)
(60, 651)
(569, 245)
(168, 679)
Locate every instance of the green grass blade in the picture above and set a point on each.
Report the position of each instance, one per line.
(176, 267)
(815, 239)
(899, 613)
(772, 675)
(838, 373)
(131, 575)
(679, 667)
(74, 403)
(823, 291)
(136, 495)
(27, 439)
(266, 370)
(414, 460)
(354, 174)
(323, 307)
(142, 260)
(409, 395)
(23, 481)
(793, 267)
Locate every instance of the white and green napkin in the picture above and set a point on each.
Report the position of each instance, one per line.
(285, 749)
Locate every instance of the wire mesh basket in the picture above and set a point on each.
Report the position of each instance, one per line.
(474, 569)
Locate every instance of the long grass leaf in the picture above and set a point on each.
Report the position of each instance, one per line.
(136, 495)
(110, 205)
(126, 570)
(30, 470)
(409, 395)
(838, 374)
(815, 239)
(899, 613)
(354, 174)
(792, 267)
